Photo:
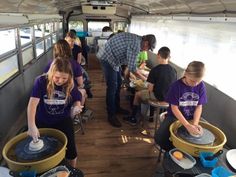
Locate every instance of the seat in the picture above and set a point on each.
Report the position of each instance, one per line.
(78, 121)
(82, 118)
(159, 107)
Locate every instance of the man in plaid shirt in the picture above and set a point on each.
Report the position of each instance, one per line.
(121, 49)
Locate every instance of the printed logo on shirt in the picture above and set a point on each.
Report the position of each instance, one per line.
(56, 104)
(187, 102)
(52, 102)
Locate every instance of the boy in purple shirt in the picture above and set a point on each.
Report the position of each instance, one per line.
(50, 104)
(185, 97)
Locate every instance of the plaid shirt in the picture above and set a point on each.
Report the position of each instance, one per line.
(122, 49)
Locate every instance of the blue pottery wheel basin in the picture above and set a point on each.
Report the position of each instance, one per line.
(16, 163)
(48, 146)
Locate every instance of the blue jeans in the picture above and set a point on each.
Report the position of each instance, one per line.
(113, 82)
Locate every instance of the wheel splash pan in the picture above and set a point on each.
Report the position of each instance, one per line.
(39, 166)
(195, 149)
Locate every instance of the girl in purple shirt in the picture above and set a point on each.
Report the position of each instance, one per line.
(50, 104)
(185, 97)
(62, 49)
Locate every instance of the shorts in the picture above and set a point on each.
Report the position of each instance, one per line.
(145, 95)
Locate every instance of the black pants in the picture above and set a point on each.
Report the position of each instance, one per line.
(66, 126)
(162, 134)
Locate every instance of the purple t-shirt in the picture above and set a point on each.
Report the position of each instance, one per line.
(50, 111)
(76, 69)
(186, 98)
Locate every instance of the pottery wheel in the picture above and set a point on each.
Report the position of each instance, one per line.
(207, 138)
(24, 150)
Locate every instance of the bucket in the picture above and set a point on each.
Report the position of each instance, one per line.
(205, 162)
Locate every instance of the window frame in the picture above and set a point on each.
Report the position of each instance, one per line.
(57, 30)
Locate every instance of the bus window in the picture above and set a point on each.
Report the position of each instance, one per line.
(56, 25)
(39, 48)
(54, 38)
(56, 32)
(60, 30)
(39, 42)
(39, 31)
(48, 42)
(76, 25)
(8, 68)
(25, 35)
(95, 28)
(7, 42)
(190, 43)
(27, 54)
(48, 28)
(120, 26)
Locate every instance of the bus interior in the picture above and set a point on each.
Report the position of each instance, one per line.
(193, 30)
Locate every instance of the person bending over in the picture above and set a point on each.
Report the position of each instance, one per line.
(121, 49)
(186, 97)
(50, 104)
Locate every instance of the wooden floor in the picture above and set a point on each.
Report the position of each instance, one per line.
(105, 151)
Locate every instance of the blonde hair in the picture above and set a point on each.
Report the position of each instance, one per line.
(60, 65)
(195, 69)
(62, 49)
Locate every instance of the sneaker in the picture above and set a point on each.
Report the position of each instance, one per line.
(76, 120)
(130, 120)
(87, 114)
(114, 121)
(84, 109)
(122, 111)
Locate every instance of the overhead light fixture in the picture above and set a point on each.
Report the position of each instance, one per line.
(12, 19)
(98, 10)
(43, 16)
(101, 3)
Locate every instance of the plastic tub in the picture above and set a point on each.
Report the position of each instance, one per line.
(207, 163)
(186, 162)
(220, 172)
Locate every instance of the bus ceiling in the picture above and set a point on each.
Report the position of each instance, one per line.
(112, 9)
